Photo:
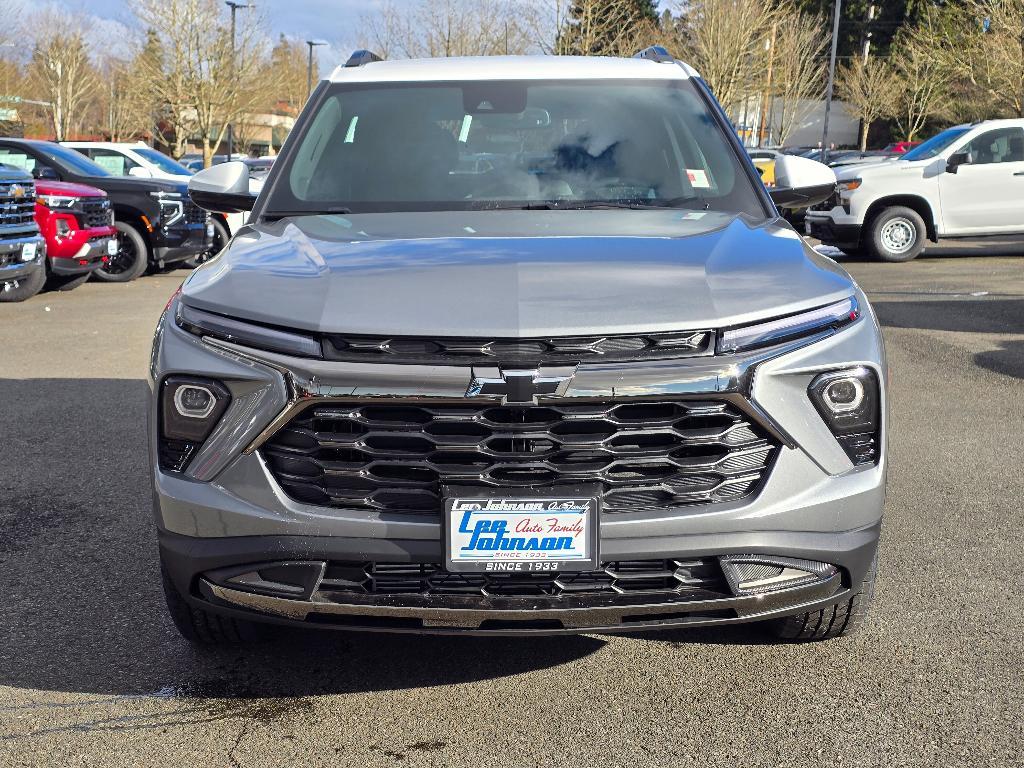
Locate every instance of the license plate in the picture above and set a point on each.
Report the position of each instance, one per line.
(505, 532)
(111, 247)
(28, 251)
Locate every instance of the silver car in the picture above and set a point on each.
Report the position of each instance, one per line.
(595, 384)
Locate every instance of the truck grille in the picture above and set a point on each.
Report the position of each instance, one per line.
(96, 212)
(491, 351)
(394, 457)
(194, 214)
(17, 211)
(665, 577)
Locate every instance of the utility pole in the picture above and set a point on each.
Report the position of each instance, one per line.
(234, 6)
(831, 80)
(309, 66)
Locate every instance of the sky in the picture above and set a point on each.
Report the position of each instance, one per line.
(335, 21)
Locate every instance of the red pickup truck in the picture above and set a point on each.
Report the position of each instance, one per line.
(78, 224)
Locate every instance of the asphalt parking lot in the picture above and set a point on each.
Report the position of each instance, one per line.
(92, 673)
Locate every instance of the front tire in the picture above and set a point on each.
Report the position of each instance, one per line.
(65, 282)
(837, 620)
(203, 627)
(131, 258)
(896, 234)
(24, 287)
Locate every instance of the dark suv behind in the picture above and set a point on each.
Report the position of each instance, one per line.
(157, 224)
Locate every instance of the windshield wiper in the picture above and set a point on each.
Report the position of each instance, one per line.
(338, 210)
(639, 205)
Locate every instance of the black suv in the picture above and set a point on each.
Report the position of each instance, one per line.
(22, 250)
(157, 224)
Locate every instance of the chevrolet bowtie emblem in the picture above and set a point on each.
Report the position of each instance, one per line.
(17, 191)
(519, 386)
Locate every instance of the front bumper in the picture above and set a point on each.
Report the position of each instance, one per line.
(82, 254)
(227, 509)
(12, 266)
(180, 243)
(828, 231)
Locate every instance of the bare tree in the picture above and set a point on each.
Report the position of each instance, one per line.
(798, 69)
(871, 90)
(925, 86)
(434, 28)
(725, 41)
(605, 28)
(60, 71)
(124, 111)
(201, 79)
(989, 63)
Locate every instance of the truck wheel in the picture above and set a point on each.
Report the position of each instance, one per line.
(896, 234)
(24, 287)
(203, 627)
(220, 239)
(835, 621)
(131, 258)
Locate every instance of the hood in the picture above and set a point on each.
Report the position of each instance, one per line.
(515, 273)
(892, 168)
(9, 173)
(45, 187)
(131, 184)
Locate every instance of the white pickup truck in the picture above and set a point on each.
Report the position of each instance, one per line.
(967, 181)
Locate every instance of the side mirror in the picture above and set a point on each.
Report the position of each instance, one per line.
(222, 188)
(139, 172)
(45, 172)
(801, 182)
(956, 160)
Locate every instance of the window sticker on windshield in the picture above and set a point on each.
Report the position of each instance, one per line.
(698, 178)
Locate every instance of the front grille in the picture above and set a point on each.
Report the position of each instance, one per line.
(828, 204)
(194, 214)
(96, 212)
(394, 457)
(491, 351)
(662, 577)
(17, 211)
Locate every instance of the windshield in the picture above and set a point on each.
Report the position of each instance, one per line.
(71, 160)
(162, 161)
(509, 144)
(935, 144)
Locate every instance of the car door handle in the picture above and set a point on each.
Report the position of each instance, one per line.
(1019, 173)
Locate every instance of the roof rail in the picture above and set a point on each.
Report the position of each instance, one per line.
(362, 57)
(654, 53)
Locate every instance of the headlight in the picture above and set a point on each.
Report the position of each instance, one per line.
(190, 408)
(765, 334)
(171, 207)
(848, 401)
(58, 201)
(228, 329)
(849, 185)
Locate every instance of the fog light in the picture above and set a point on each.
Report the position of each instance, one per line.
(194, 401)
(190, 408)
(849, 403)
(845, 394)
(63, 228)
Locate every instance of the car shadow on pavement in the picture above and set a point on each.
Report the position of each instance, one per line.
(83, 608)
(961, 314)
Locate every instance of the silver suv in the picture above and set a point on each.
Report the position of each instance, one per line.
(512, 346)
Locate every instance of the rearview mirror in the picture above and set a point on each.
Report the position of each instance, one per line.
(45, 173)
(801, 182)
(223, 188)
(139, 172)
(956, 160)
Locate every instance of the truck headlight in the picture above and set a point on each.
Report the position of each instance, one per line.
(849, 185)
(58, 201)
(172, 209)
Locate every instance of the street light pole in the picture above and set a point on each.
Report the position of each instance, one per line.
(309, 65)
(831, 80)
(234, 6)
